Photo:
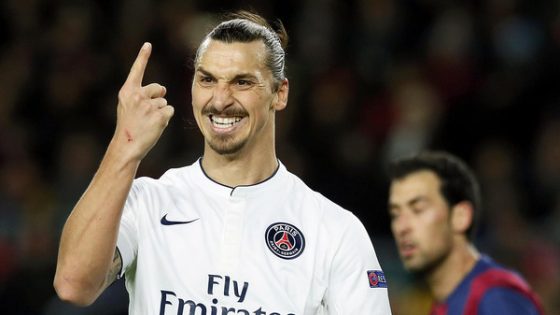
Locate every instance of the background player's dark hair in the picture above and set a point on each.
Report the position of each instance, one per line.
(458, 182)
(246, 27)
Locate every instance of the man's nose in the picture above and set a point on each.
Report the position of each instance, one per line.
(222, 96)
(402, 224)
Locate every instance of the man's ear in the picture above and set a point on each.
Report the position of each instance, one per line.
(281, 100)
(462, 215)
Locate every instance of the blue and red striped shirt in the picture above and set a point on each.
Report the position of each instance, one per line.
(489, 288)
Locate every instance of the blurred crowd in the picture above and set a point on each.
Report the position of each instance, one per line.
(370, 80)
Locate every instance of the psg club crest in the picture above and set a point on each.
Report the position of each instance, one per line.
(284, 240)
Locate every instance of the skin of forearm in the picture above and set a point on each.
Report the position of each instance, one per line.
(89, 237)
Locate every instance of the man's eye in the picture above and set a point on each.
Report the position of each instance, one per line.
(418, 210)
(243, 82)
(205, 80)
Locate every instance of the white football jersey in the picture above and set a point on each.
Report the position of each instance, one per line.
(191, 246)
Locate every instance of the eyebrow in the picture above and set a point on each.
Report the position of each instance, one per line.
(236, 78)
(410, 203)
(416, 200)
(204, 72)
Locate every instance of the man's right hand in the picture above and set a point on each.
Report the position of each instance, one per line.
(142, 111)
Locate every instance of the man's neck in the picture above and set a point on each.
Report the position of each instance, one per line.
(449, 274)
(241, 169)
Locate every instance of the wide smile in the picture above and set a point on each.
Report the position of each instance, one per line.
(224, 124)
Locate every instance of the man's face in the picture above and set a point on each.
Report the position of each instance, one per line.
(233, 98)
(420, 221)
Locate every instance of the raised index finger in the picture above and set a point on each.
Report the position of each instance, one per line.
(139, 66)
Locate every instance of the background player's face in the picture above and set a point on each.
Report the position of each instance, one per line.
(420, 221)
(233, 98)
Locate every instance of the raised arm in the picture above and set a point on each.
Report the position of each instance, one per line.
(87, 259)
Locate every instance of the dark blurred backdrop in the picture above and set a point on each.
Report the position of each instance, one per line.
(370, 80)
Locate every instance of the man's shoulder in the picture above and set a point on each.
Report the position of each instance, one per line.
(331, 212)
(176, 173)
(496, 286)
(322, 201)
(171, 178)
(488, 273)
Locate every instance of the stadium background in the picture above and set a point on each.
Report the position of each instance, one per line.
(370, 80)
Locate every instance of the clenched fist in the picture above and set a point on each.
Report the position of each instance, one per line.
(142, 112)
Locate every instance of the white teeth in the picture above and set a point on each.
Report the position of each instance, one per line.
(224, 121)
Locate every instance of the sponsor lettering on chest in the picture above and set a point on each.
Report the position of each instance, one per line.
(217, 286)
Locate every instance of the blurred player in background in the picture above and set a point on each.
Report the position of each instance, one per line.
(233, 233)
(434, 201)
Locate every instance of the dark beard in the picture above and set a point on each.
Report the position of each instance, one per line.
(225, 145)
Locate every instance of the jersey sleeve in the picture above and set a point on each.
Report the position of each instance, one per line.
(127, 241)
(506, 301)
(357, 284)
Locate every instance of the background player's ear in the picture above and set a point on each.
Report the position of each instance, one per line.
(462, 216)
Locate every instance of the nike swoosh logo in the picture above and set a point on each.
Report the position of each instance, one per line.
(164, 221)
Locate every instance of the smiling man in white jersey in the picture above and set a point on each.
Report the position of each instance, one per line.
(233, 233)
